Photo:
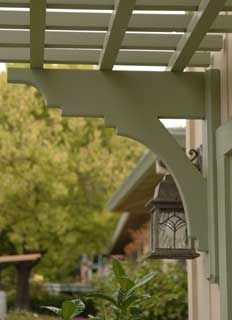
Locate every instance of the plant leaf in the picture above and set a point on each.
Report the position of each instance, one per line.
(53, 309)
(121, 296)
(126, 283)
(142, 282)
(72, 308)
(121, 277)
(132, 299)
(118, 269)
(102, 296)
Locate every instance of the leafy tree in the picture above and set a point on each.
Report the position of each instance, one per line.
(56, 175)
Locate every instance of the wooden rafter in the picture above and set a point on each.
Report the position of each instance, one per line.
(37, 32)
(197, 29)
(117, 27)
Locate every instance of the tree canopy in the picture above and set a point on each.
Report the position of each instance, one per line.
(56, 175)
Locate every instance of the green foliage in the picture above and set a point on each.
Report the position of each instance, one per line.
(69, 309)
(40, 297)
(25, 315)
(124, 300)
(168, 291)
(56, 176)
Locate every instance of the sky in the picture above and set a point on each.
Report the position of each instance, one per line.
(2, 67)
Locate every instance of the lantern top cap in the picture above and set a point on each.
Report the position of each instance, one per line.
(166, 195)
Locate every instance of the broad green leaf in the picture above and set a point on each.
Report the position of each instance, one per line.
(142, 281)
(132, 299)
(102, 296)
(53, 309)
(121, 276)
(126, 283)
(118, 270)
(72, 308)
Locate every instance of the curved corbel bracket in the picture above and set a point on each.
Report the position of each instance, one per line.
(191, 184)
(133, 102)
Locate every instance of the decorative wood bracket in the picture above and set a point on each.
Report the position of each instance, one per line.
(133, 103)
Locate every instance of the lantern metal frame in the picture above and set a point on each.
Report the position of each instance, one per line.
(167, 201)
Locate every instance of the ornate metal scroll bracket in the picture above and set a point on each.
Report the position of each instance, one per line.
(196, 157)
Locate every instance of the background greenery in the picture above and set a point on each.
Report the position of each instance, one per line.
(168, 290)
(56, 176)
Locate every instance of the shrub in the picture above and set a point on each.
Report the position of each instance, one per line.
(168, 290)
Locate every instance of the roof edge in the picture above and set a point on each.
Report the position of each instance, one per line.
(131, 182)
(143, 165)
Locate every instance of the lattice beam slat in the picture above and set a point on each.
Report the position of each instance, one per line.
(117, 27)
(196, 30)
(125, 57)
(175, 5)
(37, 32)
(99, 21)
(87, 40)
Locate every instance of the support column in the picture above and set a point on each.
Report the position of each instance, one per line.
(211, 123)
(224, 166)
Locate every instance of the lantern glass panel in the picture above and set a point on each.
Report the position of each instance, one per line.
(172, 230)
(169, 236)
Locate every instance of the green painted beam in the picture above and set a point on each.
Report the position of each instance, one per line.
(98, 90)
(175, 5)
(88, 40)
(100, 21)
(167, 42)
(175, 22)
(117, 28)
(149, 58)
(196, 30)
(37, 32)
(88, 56)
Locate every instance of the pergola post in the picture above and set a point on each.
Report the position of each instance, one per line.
(211, 123)
(224, 167)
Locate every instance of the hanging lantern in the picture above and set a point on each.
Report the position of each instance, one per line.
(169, 237)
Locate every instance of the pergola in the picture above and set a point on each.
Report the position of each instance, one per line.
(112, 32)
(172, 33)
